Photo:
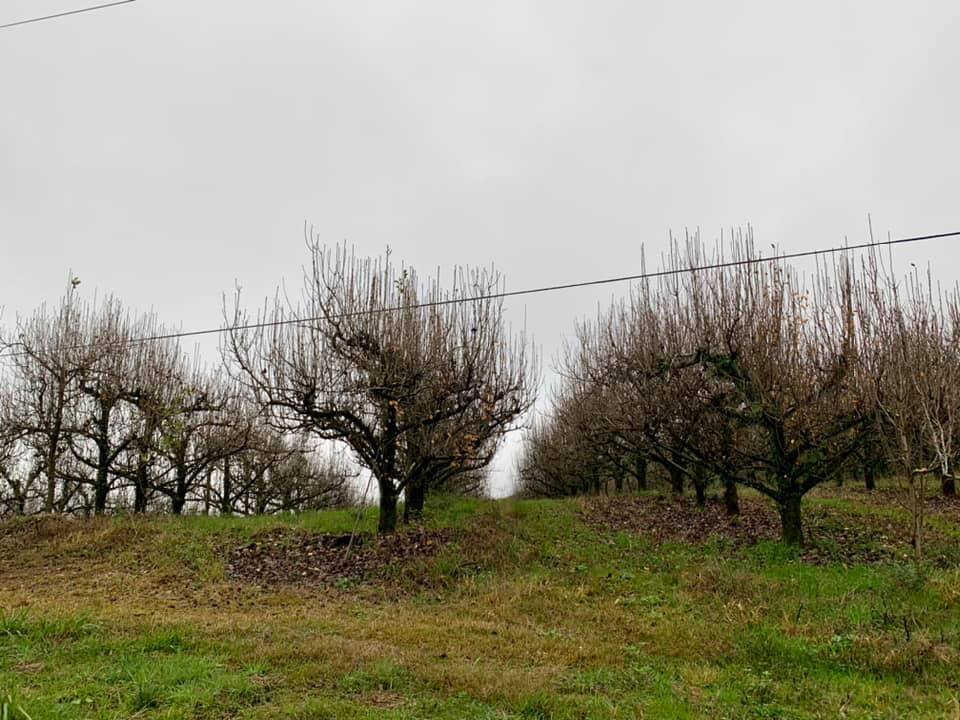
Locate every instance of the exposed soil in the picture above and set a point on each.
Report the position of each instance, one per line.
(831, 535)
(283, 557)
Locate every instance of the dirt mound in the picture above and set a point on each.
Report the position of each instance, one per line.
(831, 535)
(283, 557)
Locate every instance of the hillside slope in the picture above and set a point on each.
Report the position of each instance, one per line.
(534, 609)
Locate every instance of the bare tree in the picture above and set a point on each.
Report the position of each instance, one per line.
(275, 473)
(201, 424)
(47, 358)
(413, 378)
(740, 372)
(914, 379)
(789, 356)
(108, 384)
(566, 450)
(542, 469)
(308, 480)
(158, 374)
(648, 399)
(18, 475)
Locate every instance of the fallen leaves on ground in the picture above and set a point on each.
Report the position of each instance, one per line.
(831, 534)
(282, 557)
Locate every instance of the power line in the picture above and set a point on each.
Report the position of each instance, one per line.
(65, 14)
(533, 291)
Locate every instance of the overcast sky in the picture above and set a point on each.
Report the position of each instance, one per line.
(165, 150)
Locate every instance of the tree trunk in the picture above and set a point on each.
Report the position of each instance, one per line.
(226, 496)
(870, 461)
(641, 473)
(208, 492)
(68, 490)
(263, 496)
(49, 500)
(594, 481)
(140, 486)
(676, 480)
(731, 498)
(180, 494)
(700, 487)
(19, 504)
(52, 453)
(790, 518)
(101, 491)
(387, 523)
(948, 485)
(416, 495)
(102, 487)
(142, 477)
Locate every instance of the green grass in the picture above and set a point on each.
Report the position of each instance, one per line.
(530, 613)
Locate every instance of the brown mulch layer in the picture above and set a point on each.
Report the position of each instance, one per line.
(948, 506)
(284, 557)
(664, 518)
(831, 535)
(897, 497)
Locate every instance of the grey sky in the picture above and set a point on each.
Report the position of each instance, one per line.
(166, 148)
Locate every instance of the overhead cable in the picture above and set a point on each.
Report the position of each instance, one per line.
(65, 14)
(539, 290)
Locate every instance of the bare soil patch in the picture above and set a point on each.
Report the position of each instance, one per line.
(284, 557)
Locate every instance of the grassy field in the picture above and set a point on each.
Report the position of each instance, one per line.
(529, 613)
